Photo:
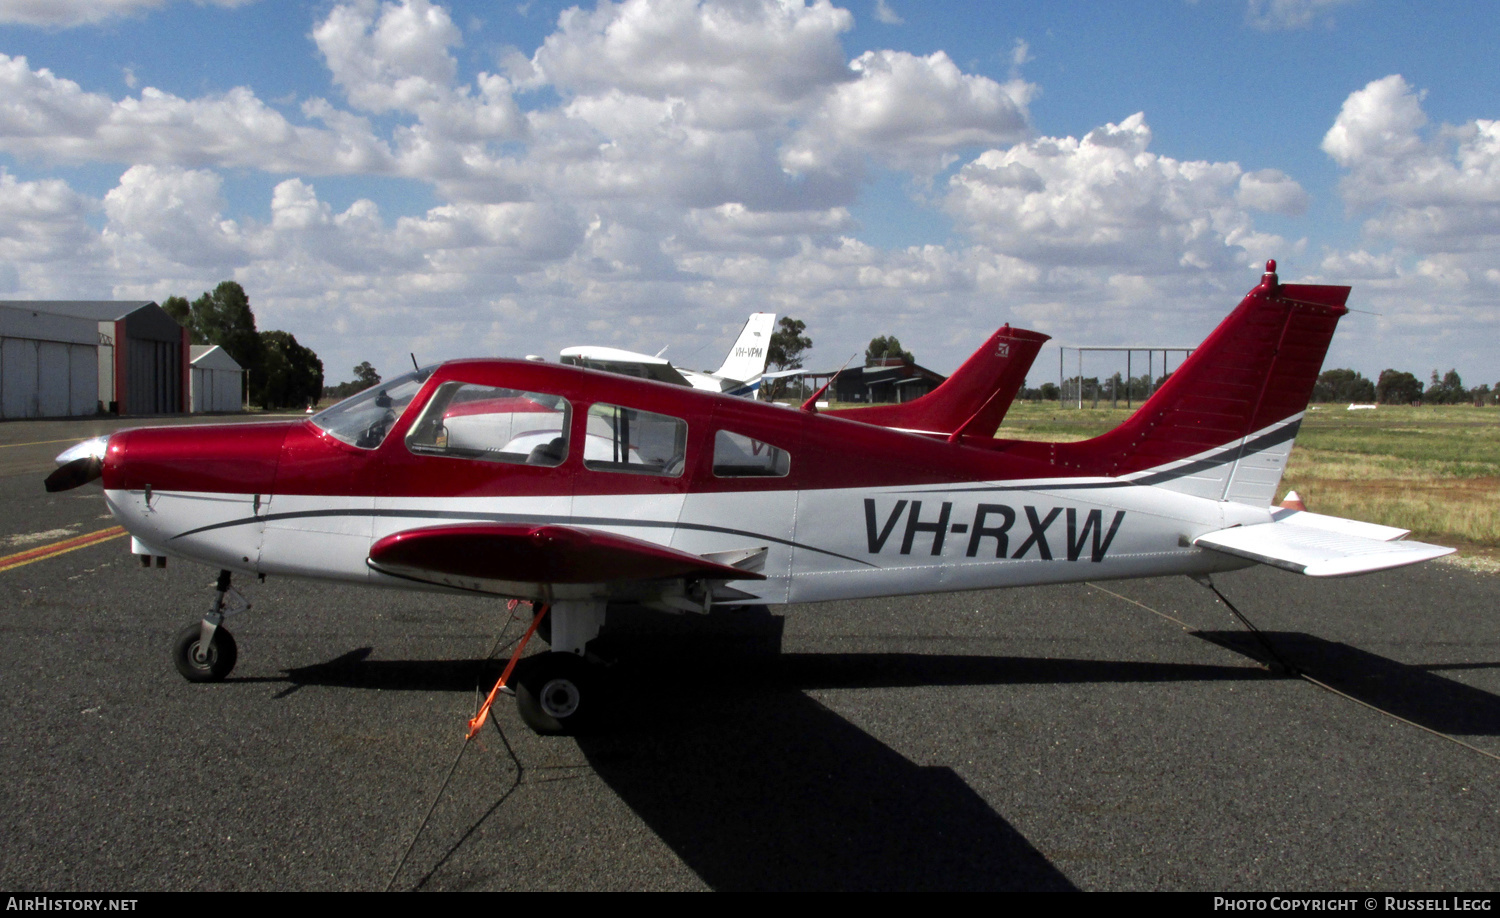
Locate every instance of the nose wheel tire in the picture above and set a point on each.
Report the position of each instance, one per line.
(558, 693)
(199, 664)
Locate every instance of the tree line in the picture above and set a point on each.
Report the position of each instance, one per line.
(281, 373)
(1393, 387)
(1398, 387)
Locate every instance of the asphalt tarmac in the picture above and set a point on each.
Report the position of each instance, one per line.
(1118, 736)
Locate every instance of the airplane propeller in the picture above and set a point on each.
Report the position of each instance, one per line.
(78, 465)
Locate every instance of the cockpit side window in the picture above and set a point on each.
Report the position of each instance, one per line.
(739, 456)
(491, 424)
(364, 419)
(624, 439)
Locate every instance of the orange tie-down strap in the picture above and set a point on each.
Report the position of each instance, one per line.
(477, 721)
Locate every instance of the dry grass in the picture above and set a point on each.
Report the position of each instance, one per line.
(1435, 471)
(1463, 510)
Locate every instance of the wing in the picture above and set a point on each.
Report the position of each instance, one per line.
(1321, 546)
(626, 363)
(534, 560)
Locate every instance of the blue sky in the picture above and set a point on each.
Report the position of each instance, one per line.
(508, 178)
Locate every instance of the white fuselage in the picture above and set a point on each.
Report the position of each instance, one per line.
(821, 544)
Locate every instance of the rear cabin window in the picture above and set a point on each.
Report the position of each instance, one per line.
(739, 456)
(624, 439)
(490, 424)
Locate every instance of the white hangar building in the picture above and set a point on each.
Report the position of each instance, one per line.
(218, 382)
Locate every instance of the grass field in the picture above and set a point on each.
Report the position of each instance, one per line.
(1435, 471)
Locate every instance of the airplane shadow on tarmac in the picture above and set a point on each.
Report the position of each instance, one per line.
(755, 785)
(1413, 692)
(771, 790)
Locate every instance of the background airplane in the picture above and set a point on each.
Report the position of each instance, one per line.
(575, 490)
(973, 400)
(740, 374)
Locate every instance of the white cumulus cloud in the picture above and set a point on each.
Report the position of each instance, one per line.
(46, 243)
(737, 60)
(1430, 196)
(165, 217)
(46, 117)
(390, 56)
(1429, 189)
(912, 112)
(68, 13)
(1108, 200)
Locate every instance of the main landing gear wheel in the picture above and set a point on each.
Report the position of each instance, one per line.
(558, 693)
(198, 665)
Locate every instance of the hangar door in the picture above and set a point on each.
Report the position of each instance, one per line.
(47, 379)
(155, 385)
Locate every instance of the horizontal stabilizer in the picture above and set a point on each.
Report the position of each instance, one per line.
(472, 556)
(1321, 546)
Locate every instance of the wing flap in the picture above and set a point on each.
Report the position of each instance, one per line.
(1321, 546)
(468, 555)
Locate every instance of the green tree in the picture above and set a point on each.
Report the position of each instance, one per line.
(1446, 391)
(223, 317)
(364, 377)
(886, 348)
(282, 372)
(291, 376)
(181, 310)
(788, 344)
(1343, 386)
(785, 351)
(1396, 387)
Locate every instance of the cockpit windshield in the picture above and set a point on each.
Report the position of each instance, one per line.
(365, 418)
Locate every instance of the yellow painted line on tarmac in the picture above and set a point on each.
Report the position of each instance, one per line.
(41, 442)
(59, 548)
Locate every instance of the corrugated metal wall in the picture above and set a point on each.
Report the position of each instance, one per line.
(217, 390)
(47, 379)
(155, 385)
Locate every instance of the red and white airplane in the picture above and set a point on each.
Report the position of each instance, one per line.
(574, 489)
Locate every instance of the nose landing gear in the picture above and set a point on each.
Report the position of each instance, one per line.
(205, 651)
(204, 661)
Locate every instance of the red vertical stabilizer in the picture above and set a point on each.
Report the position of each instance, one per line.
(975, 398)
(1223, 424)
